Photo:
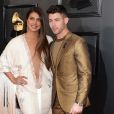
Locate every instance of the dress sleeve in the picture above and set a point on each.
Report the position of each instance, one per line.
(49, 38)
(6, 58)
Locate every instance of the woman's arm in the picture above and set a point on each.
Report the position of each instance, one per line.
(20, 80)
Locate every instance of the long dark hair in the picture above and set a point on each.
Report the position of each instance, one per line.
(42, 45)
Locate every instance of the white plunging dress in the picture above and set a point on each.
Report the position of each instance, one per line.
(16, 59)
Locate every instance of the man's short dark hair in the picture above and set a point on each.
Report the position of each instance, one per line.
(57, 9)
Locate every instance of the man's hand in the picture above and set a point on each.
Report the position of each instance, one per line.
(76, 109)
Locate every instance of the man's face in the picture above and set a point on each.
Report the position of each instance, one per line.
(57, 22)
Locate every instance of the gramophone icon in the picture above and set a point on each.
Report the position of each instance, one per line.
(17, 22)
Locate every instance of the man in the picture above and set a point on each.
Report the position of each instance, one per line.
(70, 65)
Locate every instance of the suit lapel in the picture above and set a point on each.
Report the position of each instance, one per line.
(60, 52)
(59, 55)
(67, 43)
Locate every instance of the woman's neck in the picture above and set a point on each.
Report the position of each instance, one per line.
(32, 36)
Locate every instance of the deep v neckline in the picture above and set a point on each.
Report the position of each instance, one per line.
(31, 61)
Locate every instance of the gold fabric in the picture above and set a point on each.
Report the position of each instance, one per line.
(56, 47)
(72, 72)
(57, 108)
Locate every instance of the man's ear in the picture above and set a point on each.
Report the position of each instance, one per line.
(66, 20)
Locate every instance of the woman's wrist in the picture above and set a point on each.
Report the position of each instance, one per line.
(11, 77)
(13, 80)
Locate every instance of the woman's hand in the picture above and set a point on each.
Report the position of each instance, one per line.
(20, 80)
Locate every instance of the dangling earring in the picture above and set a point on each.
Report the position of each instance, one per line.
(27, 29)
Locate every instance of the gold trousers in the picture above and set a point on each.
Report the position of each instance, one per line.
(57, 108)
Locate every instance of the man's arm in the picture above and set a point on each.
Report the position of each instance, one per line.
(84, 70)
(84, 75)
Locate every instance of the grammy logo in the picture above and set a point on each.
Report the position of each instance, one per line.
(17, 22)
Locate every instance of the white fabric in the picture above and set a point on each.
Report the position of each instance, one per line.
(16, 59)
(1, 94)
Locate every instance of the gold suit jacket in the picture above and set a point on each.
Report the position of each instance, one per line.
(72, 72)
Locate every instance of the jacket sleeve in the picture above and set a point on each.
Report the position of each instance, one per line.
(84, 70)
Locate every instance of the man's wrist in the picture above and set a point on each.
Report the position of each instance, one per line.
(80, 104)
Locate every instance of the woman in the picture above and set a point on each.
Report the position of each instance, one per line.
(26, 62)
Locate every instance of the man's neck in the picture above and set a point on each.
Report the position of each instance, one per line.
(62, 34)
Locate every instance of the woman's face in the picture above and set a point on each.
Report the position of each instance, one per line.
(33, 22)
